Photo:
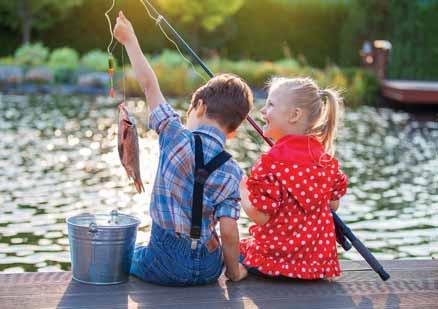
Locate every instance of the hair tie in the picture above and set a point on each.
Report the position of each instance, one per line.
(322, 93)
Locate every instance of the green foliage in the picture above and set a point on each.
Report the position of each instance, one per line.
(170, 58)
(96, 60)
(25, 14)
(63, 61)
(65, 58)
(31, 54)
(7, 61)
(209, 14)
(411, 27)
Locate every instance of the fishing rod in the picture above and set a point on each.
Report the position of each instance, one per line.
(342, 230)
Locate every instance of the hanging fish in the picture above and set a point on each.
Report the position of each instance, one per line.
(128, 146)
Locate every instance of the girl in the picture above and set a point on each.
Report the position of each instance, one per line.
(292, 187)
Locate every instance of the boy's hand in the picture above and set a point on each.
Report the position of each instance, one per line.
(243, 273)
(123, 30)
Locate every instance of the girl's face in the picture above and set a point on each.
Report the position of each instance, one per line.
(275, 113)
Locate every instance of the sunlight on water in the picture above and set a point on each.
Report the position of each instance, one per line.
(59, 158)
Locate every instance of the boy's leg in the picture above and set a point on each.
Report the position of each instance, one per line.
(142, 259)
(162, 262)
(210, 265)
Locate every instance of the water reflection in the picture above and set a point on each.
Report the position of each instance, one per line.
(58, 158)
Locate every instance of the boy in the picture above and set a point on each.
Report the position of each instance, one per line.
(196, 182)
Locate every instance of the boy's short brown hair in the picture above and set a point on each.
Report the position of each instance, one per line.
(228, 100)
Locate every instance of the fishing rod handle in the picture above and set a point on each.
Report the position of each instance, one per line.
(360, 247)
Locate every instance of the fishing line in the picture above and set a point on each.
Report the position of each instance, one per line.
(108, 19)
(158, 20)
(124, 76)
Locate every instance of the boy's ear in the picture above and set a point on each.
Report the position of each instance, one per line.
(295, 115)
(200, 109)
(231, 134)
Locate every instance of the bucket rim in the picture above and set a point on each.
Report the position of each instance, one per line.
(135, 223)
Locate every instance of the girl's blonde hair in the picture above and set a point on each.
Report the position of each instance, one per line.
(324, 107)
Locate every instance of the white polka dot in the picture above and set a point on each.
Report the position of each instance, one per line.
(300, 173)
(273, 166)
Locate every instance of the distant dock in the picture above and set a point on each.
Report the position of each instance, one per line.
(413, 284)
(407, 91)
(375, 57)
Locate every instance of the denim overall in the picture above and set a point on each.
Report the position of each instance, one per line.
(178, 260)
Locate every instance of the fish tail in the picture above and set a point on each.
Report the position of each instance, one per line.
(138, 185)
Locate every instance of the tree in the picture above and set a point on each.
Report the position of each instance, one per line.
(205, 15)
(34, 14)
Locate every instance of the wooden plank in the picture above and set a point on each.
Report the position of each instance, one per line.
(412, 84)
(411, 91)
(413, 284)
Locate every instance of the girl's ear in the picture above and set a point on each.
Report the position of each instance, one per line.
(295, 115)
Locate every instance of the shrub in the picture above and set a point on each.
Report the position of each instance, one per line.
(64, 58)
(170, 58)
(96, 60)
(63, 61)
(7, 61)
(31, 54)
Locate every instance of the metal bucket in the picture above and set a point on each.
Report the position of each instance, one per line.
(101, 247)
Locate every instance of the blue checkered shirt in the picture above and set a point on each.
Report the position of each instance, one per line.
(171, 203)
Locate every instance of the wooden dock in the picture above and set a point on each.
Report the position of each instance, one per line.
(413, 284)
(413, 92)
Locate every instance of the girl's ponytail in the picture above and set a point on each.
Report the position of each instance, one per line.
(330, 118)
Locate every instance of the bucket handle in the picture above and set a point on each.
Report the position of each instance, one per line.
(114, 214)
(92, 228)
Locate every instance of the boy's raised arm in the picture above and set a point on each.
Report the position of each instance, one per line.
(124, 33)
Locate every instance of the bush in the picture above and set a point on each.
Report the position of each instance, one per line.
(96, 60)
(7, 61)
(170, 58)
(64, 58)
(31, 54)
(63, 61)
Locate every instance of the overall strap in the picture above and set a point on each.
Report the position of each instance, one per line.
(202, 172)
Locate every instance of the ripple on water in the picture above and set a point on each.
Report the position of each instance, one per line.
(59, 159)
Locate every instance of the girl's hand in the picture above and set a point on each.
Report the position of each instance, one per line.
(334, 205)
(244, 193)
(123, 30)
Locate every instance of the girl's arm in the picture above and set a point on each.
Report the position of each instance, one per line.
(124, 33)
(255, 215)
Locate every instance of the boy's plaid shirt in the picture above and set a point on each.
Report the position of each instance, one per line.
(171, 203)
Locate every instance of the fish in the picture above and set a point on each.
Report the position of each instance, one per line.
(127, 145)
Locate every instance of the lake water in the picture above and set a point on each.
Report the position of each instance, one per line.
(58, 158)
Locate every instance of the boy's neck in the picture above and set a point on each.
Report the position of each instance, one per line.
(210, 123)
